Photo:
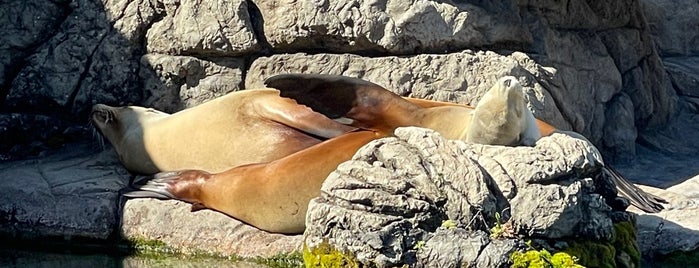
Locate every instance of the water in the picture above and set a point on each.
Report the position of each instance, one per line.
(69, 256)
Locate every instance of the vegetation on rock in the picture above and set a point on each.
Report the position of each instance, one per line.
(326, 256)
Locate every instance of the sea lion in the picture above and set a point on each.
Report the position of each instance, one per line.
(274, 196)
(502, 117)
(242, 127)
(271, 196)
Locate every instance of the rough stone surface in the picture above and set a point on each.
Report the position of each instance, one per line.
(173, 83)
(684, 74)
(676, 228)
(673, 25)
(397, 191)
(173, 223)
(86, 60)
(221, 27)
(69, 194)
(390, 26)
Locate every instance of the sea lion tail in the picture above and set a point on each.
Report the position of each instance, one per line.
(643, 200)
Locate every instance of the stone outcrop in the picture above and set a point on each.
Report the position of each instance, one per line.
(397, 192)
(71, 194)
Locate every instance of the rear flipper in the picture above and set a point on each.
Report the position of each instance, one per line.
(367, 105)
(637, 197)
(178, 185)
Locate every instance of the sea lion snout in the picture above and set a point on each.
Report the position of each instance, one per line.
(101, 115)
(509, 82)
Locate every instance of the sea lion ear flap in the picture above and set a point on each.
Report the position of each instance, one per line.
(331, 95)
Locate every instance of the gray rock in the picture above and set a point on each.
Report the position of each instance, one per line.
(202, 28)
(25, 26)
(396, 27)
(86, 61)
(673, 25)
(70, 194)
(173, 83)
(684, 73)
(173, 223)
(397, 191)
(677, 227)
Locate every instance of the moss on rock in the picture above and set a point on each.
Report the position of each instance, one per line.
(609, 253)
(543, 259)
(324, 255)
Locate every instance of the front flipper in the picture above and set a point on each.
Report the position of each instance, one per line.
(288, 112)
(369, 106)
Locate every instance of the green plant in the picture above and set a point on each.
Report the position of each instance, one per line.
(326, 256)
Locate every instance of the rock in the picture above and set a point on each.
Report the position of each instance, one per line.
(173, 223)
(86, 61)
(202, 28)
(173, 83)
(70, 194)
(30, 135)
(684, 74)
(30, 20)
(389, 26)
(396, 192)
(677, 227)
(673, 25)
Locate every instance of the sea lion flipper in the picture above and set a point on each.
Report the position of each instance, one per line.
(197, 207)
(637, 197)
(288, 112)
(369, 105)
(178, 185)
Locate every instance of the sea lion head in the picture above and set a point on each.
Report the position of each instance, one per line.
(500, 116)
(116, 123)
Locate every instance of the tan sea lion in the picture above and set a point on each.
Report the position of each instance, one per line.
(502, 117)
(239, 128)
(274, 196)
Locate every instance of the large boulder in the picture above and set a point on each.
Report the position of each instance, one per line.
(389, 202)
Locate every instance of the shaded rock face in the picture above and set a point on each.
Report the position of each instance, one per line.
(602, 76)
(396, 192)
